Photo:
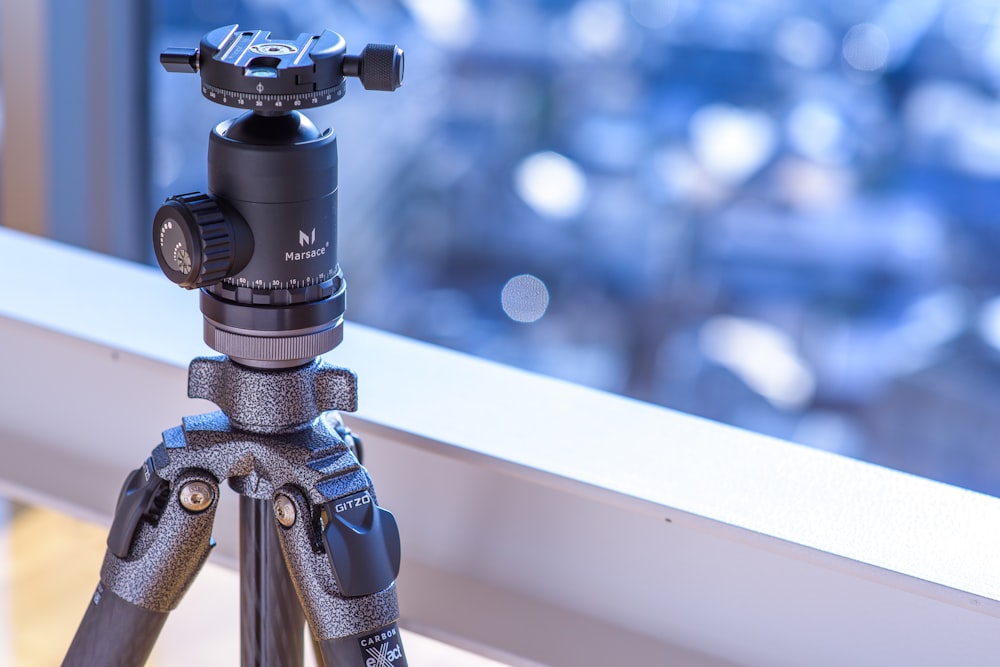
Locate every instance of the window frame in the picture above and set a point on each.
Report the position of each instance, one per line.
(542, 521)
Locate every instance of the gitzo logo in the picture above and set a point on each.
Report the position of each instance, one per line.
(307, 240)
(383, 649)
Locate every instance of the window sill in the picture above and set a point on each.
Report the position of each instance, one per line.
(541, 520)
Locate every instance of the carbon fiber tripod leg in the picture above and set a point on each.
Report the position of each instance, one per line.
(271, 621)
(347, 590)
(159, 540)
(114, 632)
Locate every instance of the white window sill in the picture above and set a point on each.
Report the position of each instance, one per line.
(541, 521)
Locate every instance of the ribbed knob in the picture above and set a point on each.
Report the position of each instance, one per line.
(193, 241)
(380, 67)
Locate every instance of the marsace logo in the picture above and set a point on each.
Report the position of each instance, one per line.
(306, 239)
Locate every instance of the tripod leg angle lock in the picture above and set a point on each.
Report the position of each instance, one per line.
(315, 544)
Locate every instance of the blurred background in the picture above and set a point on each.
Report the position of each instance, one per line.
(779, 214)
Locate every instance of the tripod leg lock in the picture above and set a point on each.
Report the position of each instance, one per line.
(362, 541)
(332, 614)
(162, 559)
(143, 497)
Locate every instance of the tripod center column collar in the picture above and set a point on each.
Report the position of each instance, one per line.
(272, 401)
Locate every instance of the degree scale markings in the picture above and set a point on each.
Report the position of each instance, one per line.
(293, 283)
(258, 100)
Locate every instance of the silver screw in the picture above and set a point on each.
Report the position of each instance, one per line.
(284, 510)
(196, 496)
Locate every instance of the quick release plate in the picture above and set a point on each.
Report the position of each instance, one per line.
(247, 69)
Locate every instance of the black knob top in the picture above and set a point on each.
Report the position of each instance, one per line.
(196, 243)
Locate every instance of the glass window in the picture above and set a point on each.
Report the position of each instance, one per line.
(778, 214)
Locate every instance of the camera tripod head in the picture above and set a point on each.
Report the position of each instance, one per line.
(261, 244)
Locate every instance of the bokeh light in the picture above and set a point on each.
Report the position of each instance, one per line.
(524, 298)
(551, 184)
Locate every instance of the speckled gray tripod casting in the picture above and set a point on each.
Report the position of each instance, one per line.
(272, 434)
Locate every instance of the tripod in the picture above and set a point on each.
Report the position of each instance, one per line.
(315, 546)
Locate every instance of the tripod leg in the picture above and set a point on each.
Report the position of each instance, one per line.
(351, 606)
(114, 632)
(159, 539)
(271, 620)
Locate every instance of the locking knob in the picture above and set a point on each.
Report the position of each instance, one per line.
(196, 243)
(380, 67)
